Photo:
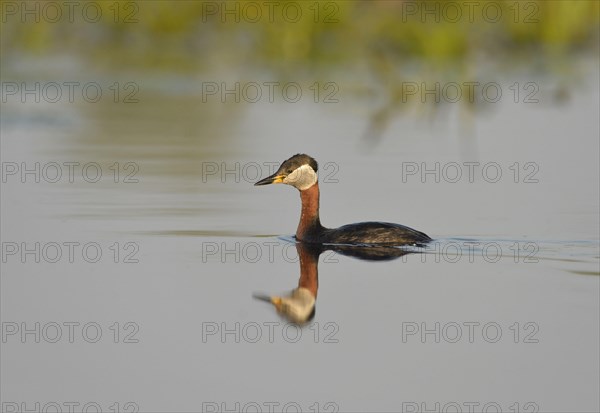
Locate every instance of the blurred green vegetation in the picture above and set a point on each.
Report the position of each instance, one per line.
(372, 49)
(297, 34)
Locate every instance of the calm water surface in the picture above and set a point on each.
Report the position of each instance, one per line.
(503, 308)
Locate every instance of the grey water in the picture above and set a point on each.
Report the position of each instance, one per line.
(128, 270)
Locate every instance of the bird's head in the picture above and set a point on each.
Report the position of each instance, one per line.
(298, 307)
(300, 171)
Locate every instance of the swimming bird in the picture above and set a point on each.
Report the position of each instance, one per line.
(300, 171)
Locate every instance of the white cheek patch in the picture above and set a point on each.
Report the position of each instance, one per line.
(299, 305)
(302, 178)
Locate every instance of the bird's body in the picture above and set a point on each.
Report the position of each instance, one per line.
(300, 171)
(368, 233)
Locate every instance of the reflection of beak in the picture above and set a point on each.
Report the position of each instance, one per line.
(273, 179)
(276, 301)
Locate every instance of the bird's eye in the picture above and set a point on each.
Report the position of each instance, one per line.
(289, 171)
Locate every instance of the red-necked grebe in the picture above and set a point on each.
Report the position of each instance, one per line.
(300, 171)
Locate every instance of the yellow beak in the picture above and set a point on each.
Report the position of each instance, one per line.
(273, 179)
(276, 301)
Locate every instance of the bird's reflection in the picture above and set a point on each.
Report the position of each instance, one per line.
(300, 305)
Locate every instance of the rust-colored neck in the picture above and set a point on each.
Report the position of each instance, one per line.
(309, 217)
(309, 268)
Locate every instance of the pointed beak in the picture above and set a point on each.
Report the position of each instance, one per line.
(273, 179)
(276, 301)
